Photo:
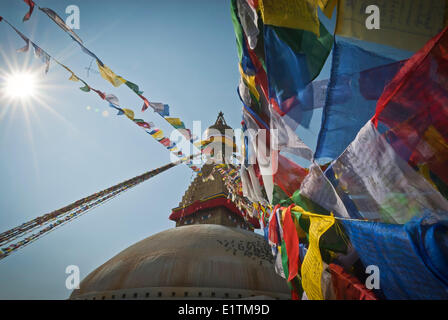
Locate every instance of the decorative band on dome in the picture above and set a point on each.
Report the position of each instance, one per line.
(218, 200)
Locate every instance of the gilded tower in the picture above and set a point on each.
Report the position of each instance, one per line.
(206, 200)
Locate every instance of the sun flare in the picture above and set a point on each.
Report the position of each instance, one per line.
(20, 85)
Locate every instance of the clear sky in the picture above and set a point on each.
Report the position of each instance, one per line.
(56, 151)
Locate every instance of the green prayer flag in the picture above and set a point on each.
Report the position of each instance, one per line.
(133, 87)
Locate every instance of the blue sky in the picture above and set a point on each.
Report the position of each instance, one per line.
(182, 53)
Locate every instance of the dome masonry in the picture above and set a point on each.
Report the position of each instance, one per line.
(197, 261)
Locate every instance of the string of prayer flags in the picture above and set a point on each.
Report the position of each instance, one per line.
(27, 41)
(87, 51)
(38, 52)
(387, 169)
(60, 22)
(232, 180)
(110, 98)
(293, 98)
(105, 72)
(48, 222)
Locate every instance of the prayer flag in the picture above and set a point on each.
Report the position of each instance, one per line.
(410, 257)
(109, 75)
(31, 5)
(248, 18)
(129, 113)
(376, 184)
(133, 87)
(291, 244)
(413, 110)
(293, 59)
(45, 57)
(357, 80)
(312, 265)
(160, 108)
(176, 123)
(112, 99)
(58, 20)
(404, 24)
(294, 14)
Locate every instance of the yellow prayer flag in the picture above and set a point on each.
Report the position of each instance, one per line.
(312, 266)
(404, 24)
(73, 77)
(327, 7)
(109, 75)
(249, 81)
(129, 113)
(295, 14)
(174, 121)
(158, 135)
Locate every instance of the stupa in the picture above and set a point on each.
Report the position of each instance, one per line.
(212, 253)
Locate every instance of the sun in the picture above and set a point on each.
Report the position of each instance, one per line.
(20, 85)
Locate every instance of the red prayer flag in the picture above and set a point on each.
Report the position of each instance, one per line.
(166, 142)
(347, 287)
(146, 102)
(273, 227)
(289, 175)
(101, 94)
(414, 108)
(291, 243)
(31, 4)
